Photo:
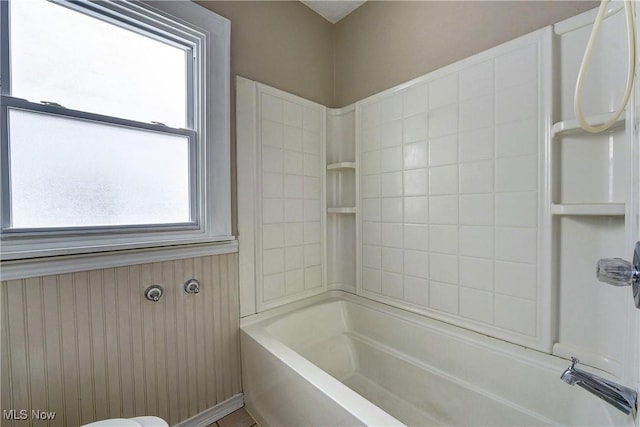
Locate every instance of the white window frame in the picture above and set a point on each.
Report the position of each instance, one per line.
(209, 36)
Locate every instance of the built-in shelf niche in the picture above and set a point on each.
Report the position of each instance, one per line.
(341, 166)
(590, 209)
(589, 170)
(588, 181)
(341, 185)
(589, 204)
(341, 210)
(573, 126)
(341, 199)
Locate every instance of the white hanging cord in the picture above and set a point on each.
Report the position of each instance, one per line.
(631, 61)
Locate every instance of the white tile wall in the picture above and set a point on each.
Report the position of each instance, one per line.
(313, 277)
(392, 285)
(290, 138)
(416, 209)
(371, 233)
(443, 180)
(371, 280)
(392, 260)
(443, 91)
(272, 236)
(516, 314)
(476, 177)
(443, 297)
(443, 150)
(391, 159)
(476, 81)
(415, 155)
(391, 234)
(443, 268)
(311, 142)
(476, 144)
(391, 184)
(449, 190)
(391, 108)
(416, 236)
(476, 305)
(293, 115)
(476, 113)
(478, 273)
(391, 209)
(415, 128)
(391, 134)
(517, 138)
(477, 209)
(416, 290)
(443, 121)
(372, 257)
(415, 101)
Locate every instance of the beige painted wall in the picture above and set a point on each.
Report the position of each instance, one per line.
(283, 44)
(385, 43)
(280, 43)
(89, 346)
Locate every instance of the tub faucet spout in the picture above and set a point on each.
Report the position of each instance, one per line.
(621, 397)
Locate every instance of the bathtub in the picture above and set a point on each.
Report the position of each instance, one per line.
(339, 359)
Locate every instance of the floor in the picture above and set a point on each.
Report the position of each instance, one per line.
(239, 418)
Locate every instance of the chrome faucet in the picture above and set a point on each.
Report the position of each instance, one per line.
(621, 397)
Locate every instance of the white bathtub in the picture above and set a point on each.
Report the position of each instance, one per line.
(339, 359)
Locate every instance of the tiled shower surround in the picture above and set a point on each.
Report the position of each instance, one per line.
(291, 135)
(449, 192)
(434, 185)
(461, 196)
(468, 197)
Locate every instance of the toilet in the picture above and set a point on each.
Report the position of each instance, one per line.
(129, 422)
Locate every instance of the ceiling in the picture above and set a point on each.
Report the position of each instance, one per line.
(333, 10)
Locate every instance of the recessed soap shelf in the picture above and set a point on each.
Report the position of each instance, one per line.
(344, 210)
(573, 126)
(586, 169)
(608, 209)
(341, 166)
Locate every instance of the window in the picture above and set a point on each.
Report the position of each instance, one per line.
(114, 126)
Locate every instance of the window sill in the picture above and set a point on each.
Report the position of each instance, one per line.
(33, 267)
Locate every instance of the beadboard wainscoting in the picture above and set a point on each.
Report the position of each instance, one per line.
(89, 346)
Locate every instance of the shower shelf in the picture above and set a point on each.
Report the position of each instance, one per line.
(341, 199)
(591, 162)
(350, 210)
(573, 126)
(341, 166)
(603, 209)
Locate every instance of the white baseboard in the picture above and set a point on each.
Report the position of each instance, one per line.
(211, 415)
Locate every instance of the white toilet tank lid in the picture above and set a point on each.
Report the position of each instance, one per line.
(151, 421)
(131, 422)
(114, 422)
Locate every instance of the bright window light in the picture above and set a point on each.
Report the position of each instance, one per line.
(73, 173)
(114, 126)
(84, 63)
